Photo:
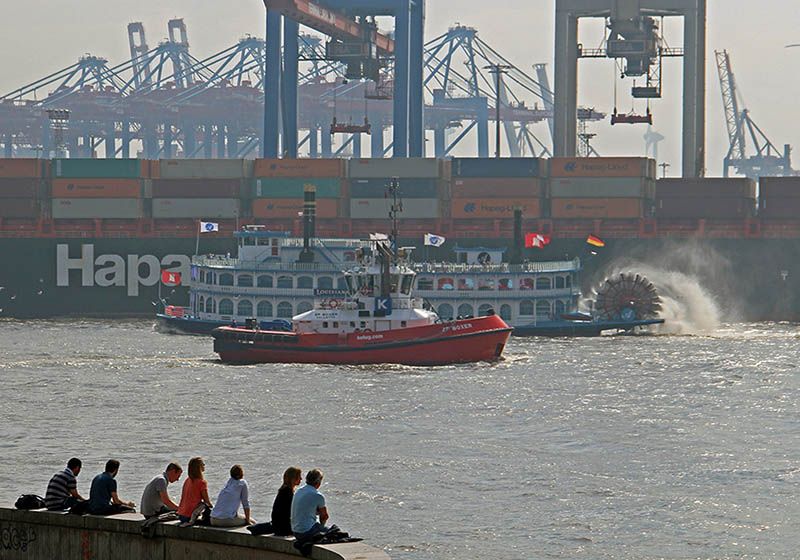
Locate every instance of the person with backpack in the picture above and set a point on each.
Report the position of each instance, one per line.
(103, 498)
(62, 490)
(155, 499)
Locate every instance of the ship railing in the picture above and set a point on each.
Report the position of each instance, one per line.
(499, 294)
(316, 242)
(503, 268)
(256, 266)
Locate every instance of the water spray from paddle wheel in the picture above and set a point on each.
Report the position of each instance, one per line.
(626, 297)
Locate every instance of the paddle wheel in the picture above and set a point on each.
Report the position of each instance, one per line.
(626, 297)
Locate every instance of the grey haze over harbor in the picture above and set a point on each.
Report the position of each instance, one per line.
(40, 37)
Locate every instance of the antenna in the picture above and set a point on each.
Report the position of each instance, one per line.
(395, 209)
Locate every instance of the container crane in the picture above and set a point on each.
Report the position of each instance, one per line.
(767, 161)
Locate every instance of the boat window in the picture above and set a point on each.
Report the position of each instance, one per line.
(569, 281)
(394, 283)
(363, 324)
(543, 283)
(263, 241)
(336, 324)
(560, 282)
(526, 308)
(202, 276)
(446, 284)
(353, 324)
(245, 280)
(244, 308)
(466, 284)
(560, 308)
(341, 283)
(543, 308)
(264, 309)
(324, 324)
(325, 283)
(305, 283)
(505, 284)
(465, 310)
(485, 284)
(485, 310)
(445, 311)
(304, 306)
(226, 279)
(505, 312)
(526, 284)
(408, 280)
(265, 281)
(285, 282)
(424, 283)
(225, 307)
(403, 323)
(241, 241)
(201, 304)
(250, 241)
(285, 310)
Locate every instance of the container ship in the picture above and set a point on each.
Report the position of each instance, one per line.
(91, 236)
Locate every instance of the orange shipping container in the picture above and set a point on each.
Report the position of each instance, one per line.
(305, 168)
(494, 207)
(21, 167)
(496, 187)
(602, 167)
(97, 188)
(580, 208)
(293, 207)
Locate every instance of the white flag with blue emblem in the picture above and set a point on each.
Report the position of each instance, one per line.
(434, 240)
(207, 227)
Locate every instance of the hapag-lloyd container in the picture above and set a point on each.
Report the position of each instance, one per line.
(19, 208)
(96, 188)
(279, 187)
(293, 208)
(779, 207)
(782, 187)
(196, 188)
(496, 167)
(404, 168)
(603, 167)
(708, 207)
(90, 168)
(204, 169)
(19, 188)
(23, 167)
(378, 208)
(409, 188)
(300, 168)
(107, 208)
(496, 187)
(596, 208)
(196, 208)
(602, 187)
(706, 187)
(498, 208)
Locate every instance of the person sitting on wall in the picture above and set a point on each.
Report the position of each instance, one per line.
(195, 490)
(62, 490)
(236, 491)
(103, 498)
(282, 506)
(155, 499)
(308, 504)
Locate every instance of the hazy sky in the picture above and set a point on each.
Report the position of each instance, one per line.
(38, 37)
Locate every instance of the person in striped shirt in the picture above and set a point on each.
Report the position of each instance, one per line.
(62, 490)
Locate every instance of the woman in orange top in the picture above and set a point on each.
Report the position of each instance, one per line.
(195, 490)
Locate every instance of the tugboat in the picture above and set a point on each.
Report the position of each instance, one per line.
(375, 320)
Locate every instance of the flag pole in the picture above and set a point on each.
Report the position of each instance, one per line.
(197, 240)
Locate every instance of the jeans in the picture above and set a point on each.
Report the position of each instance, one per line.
(315, 530)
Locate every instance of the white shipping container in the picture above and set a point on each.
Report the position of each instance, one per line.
(205, 168)
(106, 208)
(378, 208)
(195, 207)
(408, 168)
(602, 187)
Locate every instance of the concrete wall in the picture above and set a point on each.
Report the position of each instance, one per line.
(43, 535)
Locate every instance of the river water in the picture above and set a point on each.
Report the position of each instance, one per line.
(615, 447)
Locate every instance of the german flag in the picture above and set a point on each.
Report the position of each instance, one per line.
(595, 241)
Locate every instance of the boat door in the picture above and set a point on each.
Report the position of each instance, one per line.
(383, 325)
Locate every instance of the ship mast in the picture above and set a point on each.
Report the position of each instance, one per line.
(394, 212)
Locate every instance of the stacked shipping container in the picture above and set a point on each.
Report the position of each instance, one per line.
(705, 198)
(420, 187)
(595, 188)
(280, 183)
(20, 187)
(492, 188)
(98, 188)
(779, 197)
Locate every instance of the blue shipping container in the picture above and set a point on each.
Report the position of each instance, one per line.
(409, 188)
(494, 167)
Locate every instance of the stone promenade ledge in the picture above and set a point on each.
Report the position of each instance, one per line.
(45, 535)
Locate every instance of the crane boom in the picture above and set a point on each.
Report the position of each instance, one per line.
(730, 102)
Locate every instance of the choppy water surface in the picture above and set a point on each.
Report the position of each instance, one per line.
(618, 447)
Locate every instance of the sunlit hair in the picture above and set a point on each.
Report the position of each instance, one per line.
(290, 475)
(195, 470)
(237, 472)
(314, 476)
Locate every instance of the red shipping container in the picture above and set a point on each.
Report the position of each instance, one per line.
(293, 208)
(496, 187)
(21, 167)
(598, 208)
(19, 188)
(466, 208)
(97, 188)
(19, 208)
(710, 207)
(196, 188)
(602, 167)
(305, 168)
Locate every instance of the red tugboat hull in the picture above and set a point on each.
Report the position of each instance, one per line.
(453, 342)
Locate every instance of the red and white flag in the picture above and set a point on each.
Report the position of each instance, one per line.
(169, 278)
(538, 240)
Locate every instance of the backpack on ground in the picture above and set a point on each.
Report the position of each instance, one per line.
(29, 501)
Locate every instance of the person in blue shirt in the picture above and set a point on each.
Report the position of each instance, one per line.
(308, 505)
(103, 498)
(226, 510)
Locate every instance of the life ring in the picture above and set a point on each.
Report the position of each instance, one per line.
(334, 304)
(366, 330)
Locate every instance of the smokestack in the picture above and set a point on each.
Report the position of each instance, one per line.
(309, 222)
(519, 238)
